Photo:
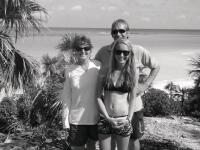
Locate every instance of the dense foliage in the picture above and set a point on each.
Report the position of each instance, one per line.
(8, 114)
(17, 18)
(192, 105)
(156, 103)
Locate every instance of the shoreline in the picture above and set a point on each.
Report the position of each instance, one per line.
(183, 83)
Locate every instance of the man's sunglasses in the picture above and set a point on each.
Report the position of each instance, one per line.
(79, 49)
(120, 31)
(119, 52)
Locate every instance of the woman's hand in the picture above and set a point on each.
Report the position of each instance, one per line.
(113, 121)
(118, 122)
(122, 122)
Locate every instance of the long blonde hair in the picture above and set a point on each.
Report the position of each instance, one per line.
(129, 70)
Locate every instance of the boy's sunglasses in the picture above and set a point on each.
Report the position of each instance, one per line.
(120, 31)
(119, 52)
(79, 49)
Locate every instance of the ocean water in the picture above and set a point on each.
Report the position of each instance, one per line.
(173, 49)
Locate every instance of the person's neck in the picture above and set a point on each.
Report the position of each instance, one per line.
(84, 64)
(119, 67)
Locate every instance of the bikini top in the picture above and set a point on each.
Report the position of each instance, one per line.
(124, 87)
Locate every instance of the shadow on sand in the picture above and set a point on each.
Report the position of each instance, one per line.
(147, 144)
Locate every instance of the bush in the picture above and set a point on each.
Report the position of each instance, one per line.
(23, 108)
(157, 103)
(8, 114)
(192, 105)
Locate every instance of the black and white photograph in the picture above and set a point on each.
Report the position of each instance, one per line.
(99, 75)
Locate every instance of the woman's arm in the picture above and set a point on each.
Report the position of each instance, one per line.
(101, 106)
(132, 98)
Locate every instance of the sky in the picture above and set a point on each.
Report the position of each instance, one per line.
(155, 14)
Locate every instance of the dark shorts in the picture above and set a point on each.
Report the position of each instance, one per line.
(104, 127)
(137, 125)
(79, 134)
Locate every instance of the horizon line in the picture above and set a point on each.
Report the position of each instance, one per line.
(130, 28)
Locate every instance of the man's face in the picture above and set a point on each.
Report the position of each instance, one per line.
(119, 31)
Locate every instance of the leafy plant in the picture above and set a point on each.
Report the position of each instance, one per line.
(8, 115)
(17, 17)
(47, 103)
(156, 103)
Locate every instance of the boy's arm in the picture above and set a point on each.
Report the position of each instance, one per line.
(66, 101)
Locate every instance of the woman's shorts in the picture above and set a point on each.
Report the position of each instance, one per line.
(137, 125)
(104, 127)
(79, 134)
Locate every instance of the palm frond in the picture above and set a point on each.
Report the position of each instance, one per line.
(20, 70)
(20, 15)
(53, 66)
(47, 104)
(6, 47)
(195, 71)
(66, 43)
(49, 65)
(66, 46)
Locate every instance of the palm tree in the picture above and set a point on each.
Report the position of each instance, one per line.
(195, 72)
(49, 65)
(16, 18)
(53, 71)
(47, 102)
(20, 15)
(66, 46)
(172, 88)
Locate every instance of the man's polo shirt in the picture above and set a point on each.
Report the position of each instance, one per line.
(79, 95)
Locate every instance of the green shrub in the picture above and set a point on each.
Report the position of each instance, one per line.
(192, 105)
(8, 114)
(23, 108)
(156, 103)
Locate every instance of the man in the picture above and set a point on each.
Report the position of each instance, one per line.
(80, 112)
(143, 59)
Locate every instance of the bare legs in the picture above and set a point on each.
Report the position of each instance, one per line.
(78, 147)
(89, 146)
(134, 144)
(105, 142)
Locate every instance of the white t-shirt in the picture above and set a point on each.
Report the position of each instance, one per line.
(79, 95)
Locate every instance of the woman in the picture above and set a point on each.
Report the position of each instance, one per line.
(117, 83)
(80, 112)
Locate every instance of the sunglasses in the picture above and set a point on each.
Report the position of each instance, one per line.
(119, 52)
(120, 31)
(86, 49)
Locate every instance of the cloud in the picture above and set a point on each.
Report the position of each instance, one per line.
(182, 16)
(146, 19)
(60, 8)
(126, 13)
(103, 8)
(111, 8)
(108, 8)
(77, 8)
